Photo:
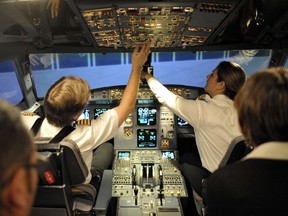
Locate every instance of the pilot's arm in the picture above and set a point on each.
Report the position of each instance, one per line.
(164, 96)
(127, 104)
(186, 109)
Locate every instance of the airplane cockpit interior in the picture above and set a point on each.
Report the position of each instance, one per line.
(44, 40)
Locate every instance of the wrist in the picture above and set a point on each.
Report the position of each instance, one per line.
(148, 76)
(137, 68)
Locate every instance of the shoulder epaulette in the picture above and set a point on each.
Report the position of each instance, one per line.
(201, 97)
(204, 97)
(28, 113)
(83, 122)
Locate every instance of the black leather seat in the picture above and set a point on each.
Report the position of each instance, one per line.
(61, 189)
(237, 150)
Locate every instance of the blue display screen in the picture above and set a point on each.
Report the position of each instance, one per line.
(181, 122)
(99, 111)
(123, 154)
(146, 138)
(168, 154)
(146, 116)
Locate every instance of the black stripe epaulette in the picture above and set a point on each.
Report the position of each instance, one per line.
(83, 122)
(201, 97)
(28, 113)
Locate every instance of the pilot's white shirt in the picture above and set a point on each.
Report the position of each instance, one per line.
(87, 137)
(214, 120)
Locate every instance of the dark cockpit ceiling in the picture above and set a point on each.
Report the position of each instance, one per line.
(117, 26)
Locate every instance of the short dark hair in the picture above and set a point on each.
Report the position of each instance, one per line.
(262, 106)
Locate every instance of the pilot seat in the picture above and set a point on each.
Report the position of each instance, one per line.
(61, 189)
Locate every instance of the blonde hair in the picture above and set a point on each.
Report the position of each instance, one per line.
(65, 99)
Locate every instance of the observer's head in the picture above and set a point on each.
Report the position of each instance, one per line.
(262, 106)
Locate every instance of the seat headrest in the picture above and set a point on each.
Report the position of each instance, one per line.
(74, 163)
(235, 151)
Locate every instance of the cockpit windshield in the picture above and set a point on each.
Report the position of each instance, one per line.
(9, 84)
(113, 69)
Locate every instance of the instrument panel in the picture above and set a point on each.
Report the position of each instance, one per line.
(113, 95)
(147, 182)
(146, 179)
(150, 125)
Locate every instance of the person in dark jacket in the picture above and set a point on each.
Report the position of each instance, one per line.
(257, 185)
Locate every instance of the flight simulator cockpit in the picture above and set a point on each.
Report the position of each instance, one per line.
(145, 174)
(94, 40)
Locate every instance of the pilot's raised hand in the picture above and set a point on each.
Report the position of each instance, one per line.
(127, 103)
(140, 55)
(145, 75)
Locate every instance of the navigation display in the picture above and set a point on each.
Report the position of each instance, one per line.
(85, 114)
(168, 154)
(146, 138)
(146, 116)
(181, 122)
(99, 111)
(123, 154)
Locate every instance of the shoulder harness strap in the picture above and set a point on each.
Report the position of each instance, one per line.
(65, 131)
(62, 134)
(36, 126)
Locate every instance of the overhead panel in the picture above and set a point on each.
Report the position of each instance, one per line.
(172, 24)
